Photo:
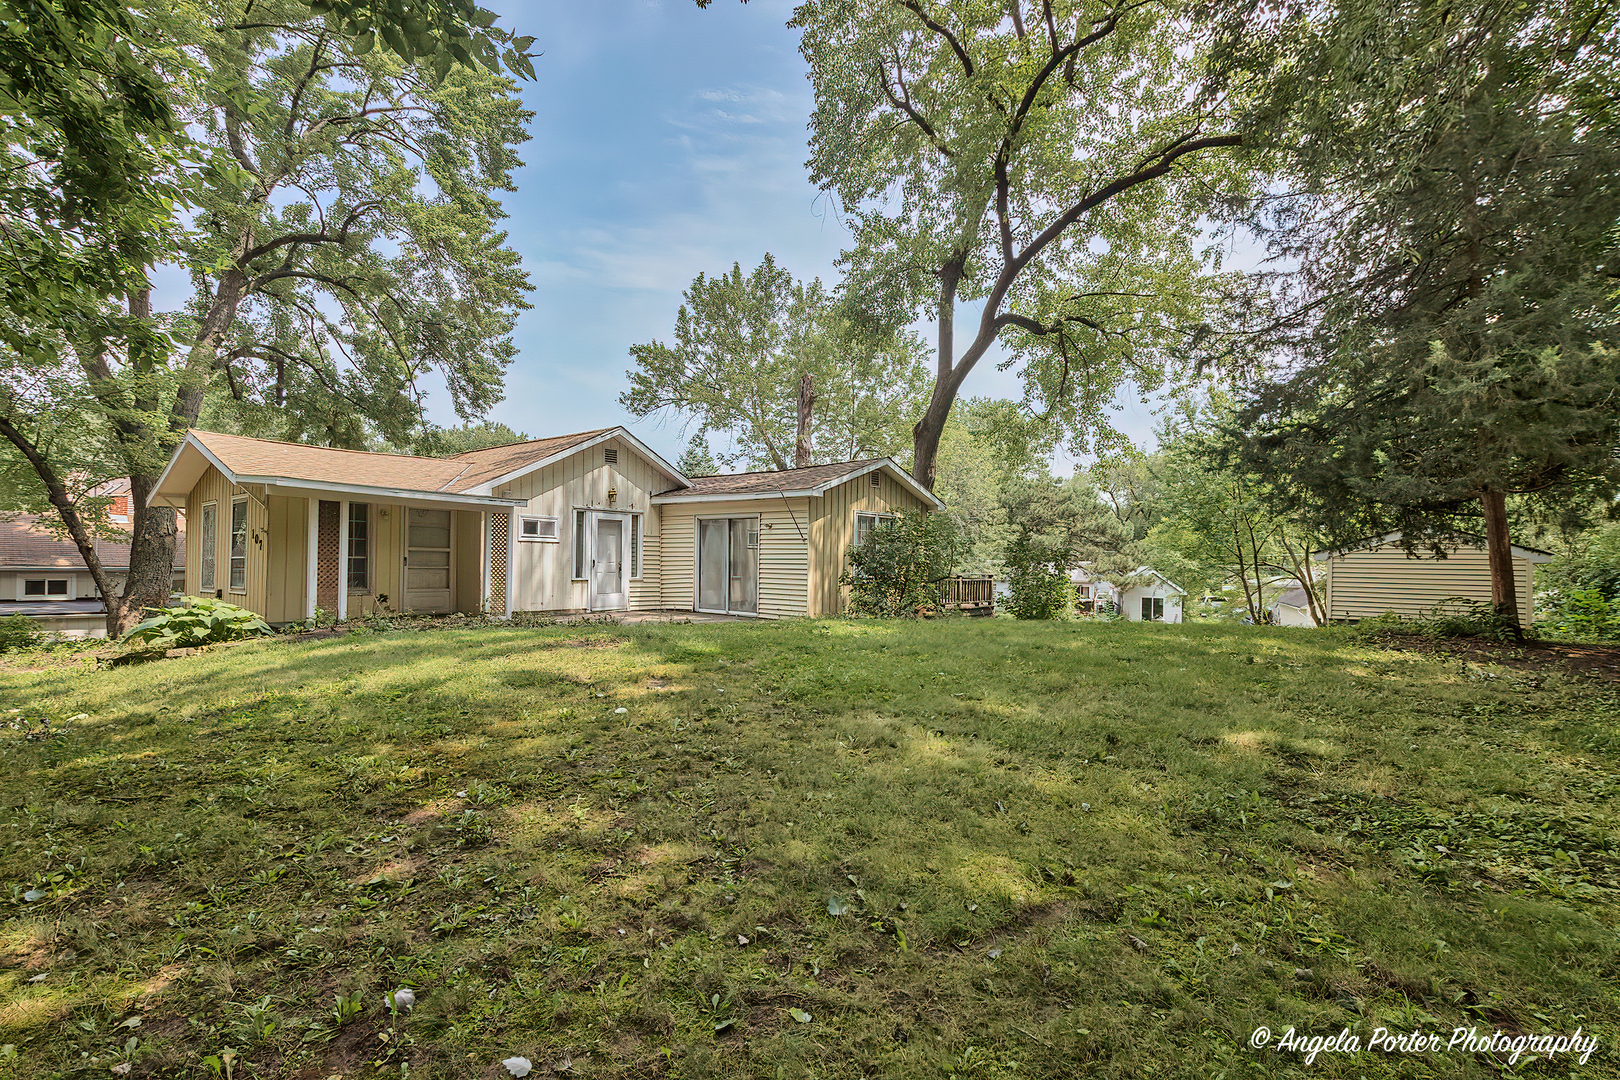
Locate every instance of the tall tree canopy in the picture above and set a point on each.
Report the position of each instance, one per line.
(1456, 221)
(1048, 163)
(743, 347)
(344, 244)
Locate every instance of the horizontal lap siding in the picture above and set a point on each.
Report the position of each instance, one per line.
(647, 591)
(1366, 584)
(580, 482)
(784, 565)
(834, 530)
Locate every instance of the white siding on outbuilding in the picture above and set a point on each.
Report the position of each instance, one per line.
(1368, 583)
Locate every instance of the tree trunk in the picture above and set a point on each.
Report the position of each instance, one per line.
(1499, 550)
(926, 434)
(56, 490)
(802, 455)
(151, 559)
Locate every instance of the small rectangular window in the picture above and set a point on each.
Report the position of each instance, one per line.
(34, 588)
(579, 545)
(537, 528)
(359, 547)
(239, 540)
(56, 587)
(209, 528)
(1153, 609)
(635, 545)
(865, 523)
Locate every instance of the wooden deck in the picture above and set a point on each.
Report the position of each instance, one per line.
(969, 595)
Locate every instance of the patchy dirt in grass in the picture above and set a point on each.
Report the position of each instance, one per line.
(1598, 661)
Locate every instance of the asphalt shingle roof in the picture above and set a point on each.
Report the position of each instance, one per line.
(768, 483)
(27, 543)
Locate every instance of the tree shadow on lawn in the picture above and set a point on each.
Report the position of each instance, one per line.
(956, 847)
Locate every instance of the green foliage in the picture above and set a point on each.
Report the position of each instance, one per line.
(438, 441)
(17, 632)
(200, 620)
(1037, 589)
(897, 571)
(742, 343)
(1585, 613)
(696, 459)
(1053, 170)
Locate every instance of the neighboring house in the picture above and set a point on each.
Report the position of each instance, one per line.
(1378, 576)
(43, 576)
(1154, 597)
(1292, 608)
(594, 521)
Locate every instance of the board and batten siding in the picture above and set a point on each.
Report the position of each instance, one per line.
(214, 487)
(833, 531)
(784, 554)
(544, 573)
(1366, 584)
(287, 554)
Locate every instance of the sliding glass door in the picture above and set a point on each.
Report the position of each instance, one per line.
(728, 565)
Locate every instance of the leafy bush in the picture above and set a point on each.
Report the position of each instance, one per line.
(897, 571)
(17, 632)
(1586, 613)
(1040, 591)
(201, 621)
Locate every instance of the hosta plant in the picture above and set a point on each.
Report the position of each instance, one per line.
(200, 620)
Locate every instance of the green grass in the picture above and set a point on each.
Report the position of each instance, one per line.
(1059, 850)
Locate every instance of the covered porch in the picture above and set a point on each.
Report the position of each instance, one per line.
(356, 552)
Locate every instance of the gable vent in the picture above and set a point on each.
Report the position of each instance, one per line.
(876, 481)
(610, 455)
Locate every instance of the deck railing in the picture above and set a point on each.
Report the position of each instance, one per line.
(973, 595)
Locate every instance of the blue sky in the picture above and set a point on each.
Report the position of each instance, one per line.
(667, 140)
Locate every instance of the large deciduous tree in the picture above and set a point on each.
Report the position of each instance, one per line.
(343, 244)
(1045, 162)
(791, 373)
(1456, 219)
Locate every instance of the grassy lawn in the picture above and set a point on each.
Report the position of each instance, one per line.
(957, 849)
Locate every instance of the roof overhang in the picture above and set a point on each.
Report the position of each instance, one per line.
(191, 459)
(885, 464)
(1533, 555)
(596, 440)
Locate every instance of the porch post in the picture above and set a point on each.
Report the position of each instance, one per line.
(343, 561)
(511, 557)
(312, 555)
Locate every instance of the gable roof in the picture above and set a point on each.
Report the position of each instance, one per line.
(811, 481)
(1368, 543)
(467, 477)
(27, 543)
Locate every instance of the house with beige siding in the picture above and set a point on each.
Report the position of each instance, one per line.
(593, 521)
(1378, 576)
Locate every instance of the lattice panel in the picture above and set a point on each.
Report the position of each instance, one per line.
(328, 539)
(499, 526)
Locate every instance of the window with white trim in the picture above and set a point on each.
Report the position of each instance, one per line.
(1153, 609)
(209, 528)
(44, 588)
(865, 523)
(579, 545)
(539, 529)
(239, 539)
(359, 569)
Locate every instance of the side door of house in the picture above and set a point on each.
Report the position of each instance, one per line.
(428, 540)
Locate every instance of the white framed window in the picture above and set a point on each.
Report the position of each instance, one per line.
(209, 528)
(865, 523)
(45, 589)
(1153, 609)
(239, 539)
(359, 547)
(539, 530)
(635, 546)
(579, 545)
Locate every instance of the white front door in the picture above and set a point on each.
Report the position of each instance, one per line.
(427, 561)
(608, 535)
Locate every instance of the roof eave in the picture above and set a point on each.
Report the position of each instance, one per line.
(737, 496)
